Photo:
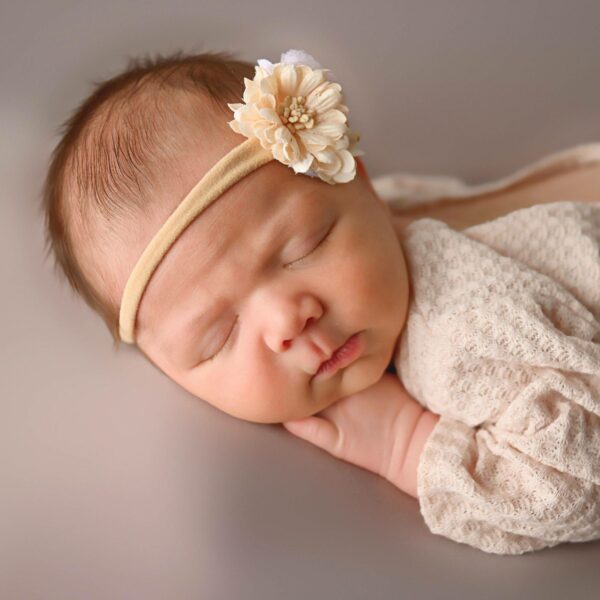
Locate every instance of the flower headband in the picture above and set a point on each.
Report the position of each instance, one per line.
(291, 113)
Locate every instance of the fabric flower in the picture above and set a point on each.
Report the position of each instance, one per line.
(296, 111)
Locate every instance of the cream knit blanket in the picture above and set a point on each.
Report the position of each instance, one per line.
(503, 340)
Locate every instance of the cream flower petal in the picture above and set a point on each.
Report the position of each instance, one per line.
(265, 64)
(268, 133)
(235, 125)
(251, 92)
(288, 79)
(262, 130)
(343, 108)
(248, 114)
(328, 157)
(269, 114)
(246, 128)
(310, 81)
(344, 177)
(348, 161)
(295, 109)
(287, 151)
(304, 165)
(292, 152)
(268, 85)
(335, 166)
(282, 134)
(277, 150)
(330, 129)
(314, 140)
(329, 98)
(333, 116)
(269, 101)
(262, 72)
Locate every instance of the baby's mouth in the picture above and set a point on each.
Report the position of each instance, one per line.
(342, 357)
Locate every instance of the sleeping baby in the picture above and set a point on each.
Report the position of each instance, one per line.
(242, 248)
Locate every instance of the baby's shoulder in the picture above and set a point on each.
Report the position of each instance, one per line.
(551, 248)
(560, 240)
(566, 217)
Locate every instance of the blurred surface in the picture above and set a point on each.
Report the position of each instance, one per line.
(118, 484)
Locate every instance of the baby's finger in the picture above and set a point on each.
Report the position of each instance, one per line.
(317, 431)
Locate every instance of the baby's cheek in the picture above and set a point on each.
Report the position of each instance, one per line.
(259, 391)
(368, 277)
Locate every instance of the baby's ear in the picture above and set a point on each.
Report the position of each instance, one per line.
(360, 167)
(362, 174)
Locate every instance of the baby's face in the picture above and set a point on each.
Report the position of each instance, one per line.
(265, 284)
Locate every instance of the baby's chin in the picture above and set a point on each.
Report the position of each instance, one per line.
(351, 383)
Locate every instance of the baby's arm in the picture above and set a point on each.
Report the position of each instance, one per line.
(406, 477)
(382, 429)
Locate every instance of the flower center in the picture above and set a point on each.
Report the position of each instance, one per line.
(295, 115)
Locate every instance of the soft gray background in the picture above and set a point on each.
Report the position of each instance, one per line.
(116, 484)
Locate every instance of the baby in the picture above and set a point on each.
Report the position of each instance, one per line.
(253, 263)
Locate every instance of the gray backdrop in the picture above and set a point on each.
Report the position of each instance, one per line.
(116, 484)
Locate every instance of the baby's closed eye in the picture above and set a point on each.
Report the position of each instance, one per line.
(322, 243)
(227, 342)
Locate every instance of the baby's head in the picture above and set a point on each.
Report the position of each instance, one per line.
(263, 285)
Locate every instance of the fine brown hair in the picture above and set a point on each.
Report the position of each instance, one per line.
(101, 169)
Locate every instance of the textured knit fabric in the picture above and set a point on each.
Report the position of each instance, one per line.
(502, 340)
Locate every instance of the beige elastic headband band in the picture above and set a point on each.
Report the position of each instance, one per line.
(237, 163)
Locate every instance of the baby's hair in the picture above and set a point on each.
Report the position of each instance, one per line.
(103, 169)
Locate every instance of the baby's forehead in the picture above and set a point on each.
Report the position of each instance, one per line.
(265, 209)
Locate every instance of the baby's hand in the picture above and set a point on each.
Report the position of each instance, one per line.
(371, 429)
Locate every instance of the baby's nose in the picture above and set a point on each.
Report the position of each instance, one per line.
(288, 343)
(284, 315)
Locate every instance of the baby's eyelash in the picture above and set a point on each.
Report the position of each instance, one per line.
(321, 244)
(224, 343)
